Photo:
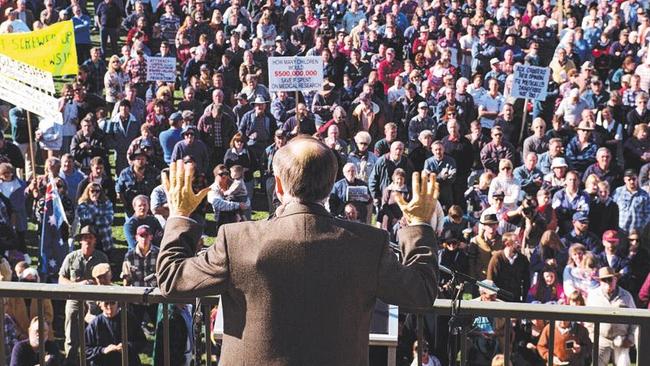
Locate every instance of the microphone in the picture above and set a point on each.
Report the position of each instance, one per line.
(504, 294)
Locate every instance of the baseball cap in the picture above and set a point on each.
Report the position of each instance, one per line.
(143, 230)
(610, 236)
(580, 216)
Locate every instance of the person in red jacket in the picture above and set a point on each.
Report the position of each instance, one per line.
(388, 69)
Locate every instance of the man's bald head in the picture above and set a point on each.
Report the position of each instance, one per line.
(306, 168)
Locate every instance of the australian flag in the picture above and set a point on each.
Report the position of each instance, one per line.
(53, 247)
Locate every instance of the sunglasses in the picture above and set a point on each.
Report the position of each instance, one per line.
(110, 303)
(224, 174)
(506, 168)
(497, 135)
(607, 280)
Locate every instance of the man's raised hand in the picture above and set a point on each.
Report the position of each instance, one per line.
(181, 198)
(423, 204)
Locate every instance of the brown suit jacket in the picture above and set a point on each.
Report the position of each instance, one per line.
(299, 288)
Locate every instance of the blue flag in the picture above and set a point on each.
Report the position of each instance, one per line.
(53, 247)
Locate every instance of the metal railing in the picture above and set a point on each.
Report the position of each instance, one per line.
(508, 311)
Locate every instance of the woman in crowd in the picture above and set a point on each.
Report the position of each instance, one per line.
(114, 81)
(238, 154)
(547, 288)
(97, 210)
(389, 212)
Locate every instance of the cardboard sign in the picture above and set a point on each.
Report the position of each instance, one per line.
(295, 73)
(530, 82)
(51, 49)
(161, 69)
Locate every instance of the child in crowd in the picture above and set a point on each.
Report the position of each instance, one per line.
(237, 191)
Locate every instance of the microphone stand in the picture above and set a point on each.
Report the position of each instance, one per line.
(456, 325)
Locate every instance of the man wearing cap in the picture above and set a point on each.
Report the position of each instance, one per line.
(119, 131)
(422, 121)
(242, 106)
(139, 269)
(496, 150)
(612, 256)
(615, 339)
(77, 268)
(216, 129)
(633, 204)
(139, 178)
(171, 136)
(581, 234)
(581, 150)
(191, 145)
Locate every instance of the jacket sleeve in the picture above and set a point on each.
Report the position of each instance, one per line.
(180, 272)
(413, 283)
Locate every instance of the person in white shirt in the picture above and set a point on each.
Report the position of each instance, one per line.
(490, 104)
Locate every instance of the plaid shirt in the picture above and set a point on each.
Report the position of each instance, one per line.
(137, 70)
(137, 267)
(634, 208)
(100, 216)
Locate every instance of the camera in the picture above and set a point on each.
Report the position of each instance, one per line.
(528, 206)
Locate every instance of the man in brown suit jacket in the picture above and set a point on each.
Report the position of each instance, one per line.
(299, 288)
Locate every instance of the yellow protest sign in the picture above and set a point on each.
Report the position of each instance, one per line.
(51, 49)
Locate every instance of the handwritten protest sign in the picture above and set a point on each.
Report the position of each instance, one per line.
(295, 73)
(50, 49)
(26, 73)
(161, 69)
(530, 82)
(28, 98)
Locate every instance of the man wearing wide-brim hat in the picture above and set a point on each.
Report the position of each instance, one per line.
(615, 339)
(482, 246)
(77, 268)
(324, 101)
(257, 127)
(581, 150)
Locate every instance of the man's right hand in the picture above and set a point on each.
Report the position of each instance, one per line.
(425, 196)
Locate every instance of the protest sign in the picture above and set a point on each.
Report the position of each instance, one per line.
(30, 99)
(530, 82)
(295, 73)
(50, 49)
(161, 69)
(27, 74)
(357, 194)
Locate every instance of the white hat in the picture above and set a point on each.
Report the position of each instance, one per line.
(559, 163)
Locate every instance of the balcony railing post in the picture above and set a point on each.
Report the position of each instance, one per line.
(165, 309)
(643, 343)
(551, 342)
(506, 351)
(420, 331)
(594, 353)
(124, 314)
(208, 342)
(81, 327)
(41, 331)
(3, 354)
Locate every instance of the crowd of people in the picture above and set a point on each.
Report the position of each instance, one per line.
(548, 199)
